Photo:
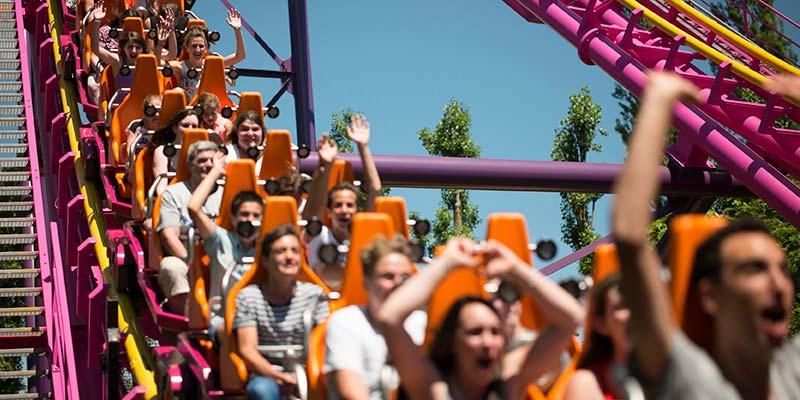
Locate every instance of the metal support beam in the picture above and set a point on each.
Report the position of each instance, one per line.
(301, 67)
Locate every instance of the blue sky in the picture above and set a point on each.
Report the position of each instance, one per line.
(400, 62)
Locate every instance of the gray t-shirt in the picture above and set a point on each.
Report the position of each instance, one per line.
(174, 211)
(279, 324)
(692, 374)
(224, 252)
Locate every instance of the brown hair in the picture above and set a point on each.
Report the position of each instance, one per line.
(207, 99)
(132, 37)
(233, 137)
(599, 348)
(379, 248)
(194, 32)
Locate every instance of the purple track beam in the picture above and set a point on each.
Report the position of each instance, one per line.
(540, 176)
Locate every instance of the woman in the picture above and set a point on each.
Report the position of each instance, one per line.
(172, 132)
(606, 347)
(195, 44)
(247, 132)
(465, 356)
(211, 119)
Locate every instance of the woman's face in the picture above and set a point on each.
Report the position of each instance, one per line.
(196, 48)
(132, 51)
(151, 122)
(248, 134)
(188, 122)
(479, 343)
(284, 257)
(209, 116)
(614, 321)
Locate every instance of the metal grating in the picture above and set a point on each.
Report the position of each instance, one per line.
(18, 255)
(16, 222)
(15, 176)
(16, 206)
(20, 292)
(17, 238)
(14, 162)
(17, 274)
(20, 311)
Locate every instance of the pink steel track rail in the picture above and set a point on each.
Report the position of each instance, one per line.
(604, 36)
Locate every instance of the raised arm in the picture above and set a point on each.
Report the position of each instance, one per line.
(560, 309)
(327, 150)
(204, 224)
(166, 37)
(636, 187)
(102, 53)
(235, 22)
(417, 372)
(359, 132)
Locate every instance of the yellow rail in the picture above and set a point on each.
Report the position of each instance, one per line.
(734, 38)
(709, 52)
(137, 350)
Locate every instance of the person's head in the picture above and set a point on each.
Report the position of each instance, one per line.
(209, 104)
(742, 281)
(247, 131)
(386, 264)
(195, 44)
(342, 205)
(151, 122)
(177, 125)
(470, 341)
(200, 158)
(290, 184)
(246, 206)
(609, 323)
(280, 253)
(132, 44)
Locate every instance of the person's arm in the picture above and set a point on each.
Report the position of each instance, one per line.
(562, 312)
(418, 374)
(582, 385)
(169, 226)
(109, 58)
(318, 196)
(359, 132)
(235, 22)
(203, 223)
(650, 323)
(160, 166)
(247, 338)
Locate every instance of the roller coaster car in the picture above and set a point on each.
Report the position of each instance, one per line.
(278, 210)
(212, 80)
(277, 155)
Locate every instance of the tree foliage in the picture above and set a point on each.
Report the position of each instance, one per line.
(575, 138)
(456, 215)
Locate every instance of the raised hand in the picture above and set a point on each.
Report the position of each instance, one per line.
(327, 150)
(99, 12)
(786, 85)
(500, 260)
(672, 86)
(219, 163)
(459, 252)
(234, 19)
(358, 130)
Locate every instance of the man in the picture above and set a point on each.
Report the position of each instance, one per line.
(355, 350)
(225, 249)
(174, 216)
(740, 276)
(341, 202)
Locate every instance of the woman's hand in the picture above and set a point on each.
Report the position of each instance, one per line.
(234, 19)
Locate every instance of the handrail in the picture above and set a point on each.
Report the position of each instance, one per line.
(139, 357)
(733, 37)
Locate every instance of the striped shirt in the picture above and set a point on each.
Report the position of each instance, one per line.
(278, 324)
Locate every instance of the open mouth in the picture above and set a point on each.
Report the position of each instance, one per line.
(485, 362)
(776, 313)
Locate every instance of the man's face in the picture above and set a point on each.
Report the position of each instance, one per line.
(343, 207)
(249, 211)
(755, 293)
(202, 163)
(390, 271)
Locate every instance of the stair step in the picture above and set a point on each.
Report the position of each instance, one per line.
(17, 273)
(16, 222)
(18, 255)
(10, 63)
(12, 134)
(6, 191)
(7, 24)
(8, 33)
(17, 374)
(23, 330)
(14, 162)
(20, 292)
(20, 396)
(15, 176)
(10, 109)
(13, 148)
(17, 238)
(16, 122)
(20, 311)
(16, 352)
(16, 206)
(8, 44)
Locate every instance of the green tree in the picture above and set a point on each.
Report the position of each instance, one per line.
(456, 215)
(575, 138)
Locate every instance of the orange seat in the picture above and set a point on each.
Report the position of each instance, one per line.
(240, 176)
(212, 80)
(277, 155)
(278, 210)
(317, 384)
(143, 179)
(250, 101)
(396, 208)
(199, 23)
(173, 101)
(133, 24)
(107, 89)
(688, 232)
(341, 171)
(366, 227)
(190, 136)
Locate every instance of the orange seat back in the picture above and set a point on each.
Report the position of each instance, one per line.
(250, 101)
(317, 385)
(194, 22)
(511, 230)
(459, 283)
(133, 24)
(366, 227)
(172, 102)
(688, 232)
(190, 136)
(143, 178)
(240, 176)
(154, 241)
(212, 80)
(395, 207)
(145, 83)
(341, 171)
(199, 310)
(276, 160)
